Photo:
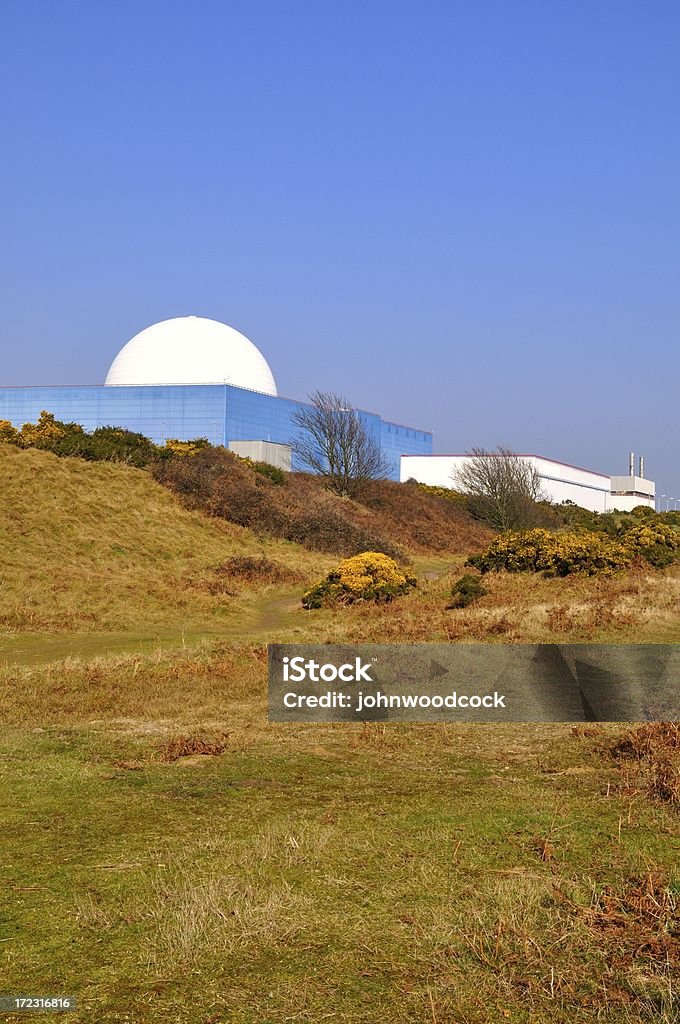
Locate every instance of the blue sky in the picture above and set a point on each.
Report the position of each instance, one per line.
(465, 216)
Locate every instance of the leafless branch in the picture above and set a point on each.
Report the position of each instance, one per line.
(503, 488)
(334, 442)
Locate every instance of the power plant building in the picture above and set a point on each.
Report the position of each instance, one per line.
(193, 377)
(559, 481)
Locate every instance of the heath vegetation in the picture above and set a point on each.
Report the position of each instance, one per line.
(166, 848)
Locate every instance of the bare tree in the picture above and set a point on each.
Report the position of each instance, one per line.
(503, 488)
(334, 442)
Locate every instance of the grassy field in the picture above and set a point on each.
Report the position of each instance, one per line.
(169, 856)
(454, 873)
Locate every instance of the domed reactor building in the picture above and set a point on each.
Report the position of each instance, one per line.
(194, 377)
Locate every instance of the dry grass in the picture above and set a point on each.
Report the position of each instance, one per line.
(648, 741)
(521, 608)
(100, 546)
(419, 522)
(654, 750)
(133, 687)
(249, 903)
(191, 914)
(414, 873)
(189, 746)
(627, 935)
(252, 571)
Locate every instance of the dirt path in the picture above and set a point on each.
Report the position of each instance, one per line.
(268, 614)
(256, 618)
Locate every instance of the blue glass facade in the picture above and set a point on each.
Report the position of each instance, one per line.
(220, 412)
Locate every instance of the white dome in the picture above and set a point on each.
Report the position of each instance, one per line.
(191, 350)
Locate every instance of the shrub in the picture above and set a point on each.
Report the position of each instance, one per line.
(273, 473)
(224, 485)
(193, 447)
(672, 518)
(581, 551)
(466, 591)
(218, 482)
(115, 444)
(576, 518)
(554, 554)
(443, 492)
(421, 521)
(371, 576)
(643, 512)
(8, 433)
(46, 431)
(322, 529)
(657, 543)
(389, 518)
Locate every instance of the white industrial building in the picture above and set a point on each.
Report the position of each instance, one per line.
(559, 480)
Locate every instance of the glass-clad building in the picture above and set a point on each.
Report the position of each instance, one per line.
(190, 377)
(220, 412)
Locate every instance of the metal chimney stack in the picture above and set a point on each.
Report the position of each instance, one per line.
(631, 464)
(642, 466)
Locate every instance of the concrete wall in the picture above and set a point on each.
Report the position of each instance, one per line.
(630, 491)
(627, 502)
(278, 455)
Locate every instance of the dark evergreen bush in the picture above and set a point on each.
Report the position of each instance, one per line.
(273, 473)
(466, 591)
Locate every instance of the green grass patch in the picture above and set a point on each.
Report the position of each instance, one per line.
(372, 872)
(389, 873)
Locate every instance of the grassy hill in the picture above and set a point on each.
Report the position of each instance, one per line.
(102, 546)
(105, 553)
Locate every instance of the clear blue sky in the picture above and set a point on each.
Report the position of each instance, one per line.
(464, 215)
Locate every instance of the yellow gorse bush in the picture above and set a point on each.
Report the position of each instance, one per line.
(178, 447)
(580, 551)
(370, 576)
(32, 435)
(443, 492)
(649, 535)
(8, 433)
(658, 543)
(554, 554)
